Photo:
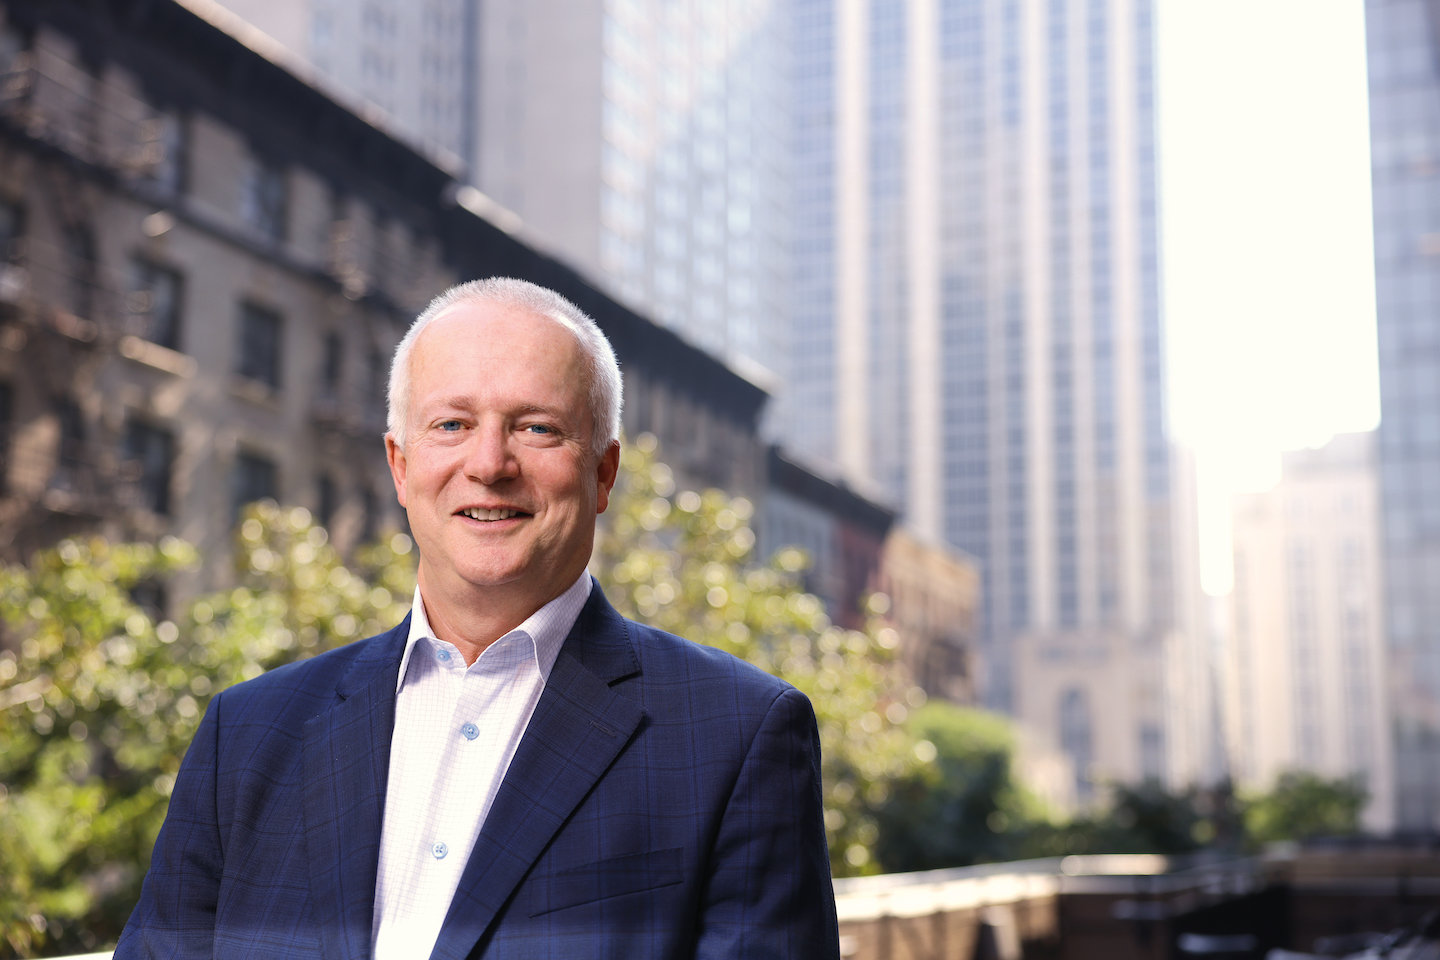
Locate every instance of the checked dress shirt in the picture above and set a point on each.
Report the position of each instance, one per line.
(456, 731)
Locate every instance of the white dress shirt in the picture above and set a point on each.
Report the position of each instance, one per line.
(456, 730)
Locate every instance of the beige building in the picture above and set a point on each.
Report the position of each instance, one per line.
(934, 600)
(1305, 673)
(192, 319)
(207, 264)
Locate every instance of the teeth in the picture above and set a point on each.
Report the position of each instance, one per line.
(476, 513)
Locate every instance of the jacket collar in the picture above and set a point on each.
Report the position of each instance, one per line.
(346, 757)
(579, 727)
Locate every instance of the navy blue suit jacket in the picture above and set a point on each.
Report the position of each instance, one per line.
(665, 802)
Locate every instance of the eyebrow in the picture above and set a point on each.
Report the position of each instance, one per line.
(467, 402)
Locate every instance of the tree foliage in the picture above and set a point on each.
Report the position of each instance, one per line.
(685, 562)
(99, 700)
(99, 697)
(964, 807)
(1302, 805)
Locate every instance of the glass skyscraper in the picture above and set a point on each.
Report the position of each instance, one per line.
(644, 142)
(1404, 64)
(977, 333)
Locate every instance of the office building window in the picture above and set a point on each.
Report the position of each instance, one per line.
(262, 199)
(151, 451)
(332, 363)
(155, 304)
(11, 229)
(73, 459)
(370, 519)
(377, 388)
(79, 245)
(259, 356)
(253, 479)
(1076, 738)
(326, 500)
(7, 400)
(163, 142)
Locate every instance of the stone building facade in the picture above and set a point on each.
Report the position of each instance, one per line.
(208, 263)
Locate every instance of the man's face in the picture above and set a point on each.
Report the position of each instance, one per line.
(497, 474)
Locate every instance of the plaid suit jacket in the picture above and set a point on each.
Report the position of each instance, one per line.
(665, 802)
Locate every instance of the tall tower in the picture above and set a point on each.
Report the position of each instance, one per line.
(645, 142)
(1306, 662)
(1404, 62)
(413, 60)
(977, 331)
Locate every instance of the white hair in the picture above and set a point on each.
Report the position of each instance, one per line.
(600, 363)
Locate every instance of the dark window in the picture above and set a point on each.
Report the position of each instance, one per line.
(12, 227)
(332, 364)
(253, 479)
(7, 400)
(155, 304)
(369, 522)
(80, 283)
(262, 199)
(14, 45)
(163, 143)
(376, 398)
(327, 499)
(1075, 738)
(70, 466)
(150, 596)
(152, 451)
(259, 345)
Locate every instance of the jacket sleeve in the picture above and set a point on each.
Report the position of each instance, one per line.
(176, 913)
(769, 892)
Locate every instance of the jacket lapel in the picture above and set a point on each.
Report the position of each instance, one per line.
(347, 764)
(580, 725)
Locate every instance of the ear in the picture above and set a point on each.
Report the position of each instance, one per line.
(395, 456)
(605, 472)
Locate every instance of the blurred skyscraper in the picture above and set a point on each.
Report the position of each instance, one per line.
(1404, 62)
(643, 141)
(977, 331)
(935, 220)
(1306, 660)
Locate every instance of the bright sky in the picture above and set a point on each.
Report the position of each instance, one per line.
(1269, 276)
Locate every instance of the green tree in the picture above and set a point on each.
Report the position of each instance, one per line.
(1302, 805)
(685, 562)
(965, 807)
(98, 700)
(94, 713)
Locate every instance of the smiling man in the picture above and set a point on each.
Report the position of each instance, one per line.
(515, 770)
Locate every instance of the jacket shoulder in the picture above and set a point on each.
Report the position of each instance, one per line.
(667, 656)
(316, 679)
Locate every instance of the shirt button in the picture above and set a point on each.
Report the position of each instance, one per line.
(439, 850)
(444, 656)
(470, 730)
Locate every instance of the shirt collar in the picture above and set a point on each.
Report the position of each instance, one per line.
(547, 627)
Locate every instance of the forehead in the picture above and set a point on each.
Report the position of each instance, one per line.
(498, 345)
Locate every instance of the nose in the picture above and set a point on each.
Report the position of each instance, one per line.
(491, 458)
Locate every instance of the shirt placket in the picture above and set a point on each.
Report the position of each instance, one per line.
(438, 857)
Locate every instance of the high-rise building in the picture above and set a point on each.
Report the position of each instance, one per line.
(935, 220)
(1404, 63)
(977, 331)
(645, 142)
(412, 62)
(1306, 660)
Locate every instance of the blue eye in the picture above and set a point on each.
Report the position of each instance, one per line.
(450, 425)
(538, 428)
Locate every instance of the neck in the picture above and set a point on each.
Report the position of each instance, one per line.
(472, 618)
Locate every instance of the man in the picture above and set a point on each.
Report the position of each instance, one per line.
(515, 770)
